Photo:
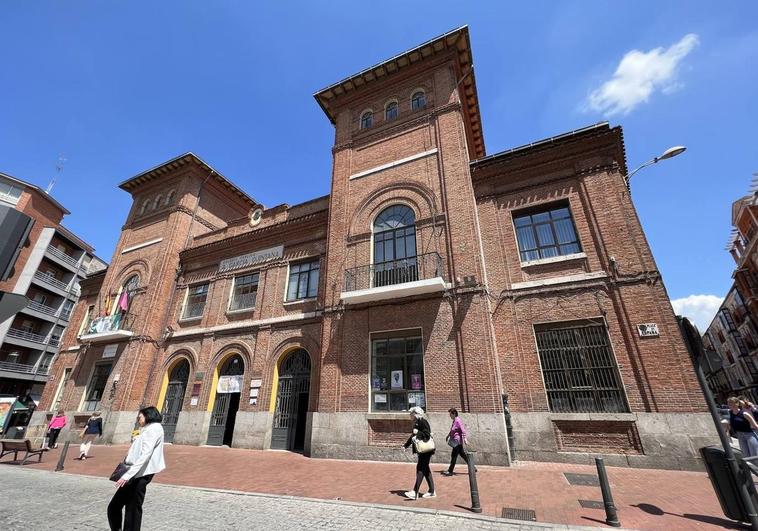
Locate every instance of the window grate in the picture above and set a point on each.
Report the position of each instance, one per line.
(580, 372)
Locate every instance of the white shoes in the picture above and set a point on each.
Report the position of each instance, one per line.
(429, 495)
(411, 495)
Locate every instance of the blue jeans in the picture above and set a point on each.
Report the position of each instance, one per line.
(748, 443)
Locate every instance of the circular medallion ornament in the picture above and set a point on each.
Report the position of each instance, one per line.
(255, 216)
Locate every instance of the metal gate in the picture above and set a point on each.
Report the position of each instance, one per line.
(288, 432)
(225, 407)
(172, 406)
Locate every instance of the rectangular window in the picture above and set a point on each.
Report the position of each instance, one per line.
(579, 369)
(96, 387)
(195, 301)
(85, 322)
(397, 372)
(61, 389)
(546, 232)
(303, 280)
(244, 292)
(9, 192)
(68, 307)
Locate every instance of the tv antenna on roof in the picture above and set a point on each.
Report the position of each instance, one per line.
(58, 170)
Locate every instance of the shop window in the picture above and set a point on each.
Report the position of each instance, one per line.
(418, 100)
(390, 111)
(244, 292)
(303, 280)
(195, 305)
(96, 387)
(367, 119)
(397, 372)
(579, 368)
(546, 232)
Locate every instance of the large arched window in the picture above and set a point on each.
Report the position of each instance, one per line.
(418, 100)
(395, 246)
(390, 111)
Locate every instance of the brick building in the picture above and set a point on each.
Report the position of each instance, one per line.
(48, 271)
(431, 275)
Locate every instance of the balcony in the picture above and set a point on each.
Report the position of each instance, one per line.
(41, 308)
(107, 328)
(406, 277)
(64, 259)
(24, 338)
(23, 371)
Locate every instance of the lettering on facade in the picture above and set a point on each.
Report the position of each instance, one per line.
(247, 260)
(648, 329)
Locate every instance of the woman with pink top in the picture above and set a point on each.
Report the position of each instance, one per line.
(456, 439)
(55, 427)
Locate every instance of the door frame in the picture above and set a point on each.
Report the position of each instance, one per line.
(213, 395)
(167, 380)
(275, 394)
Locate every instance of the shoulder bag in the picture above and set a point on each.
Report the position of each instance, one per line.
(423, 447)
(120, 470)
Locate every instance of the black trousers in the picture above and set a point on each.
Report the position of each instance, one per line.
(130, 496)
(458, 450)
(53, 436)
(424, 472)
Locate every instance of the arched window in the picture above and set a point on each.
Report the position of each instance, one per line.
(367, 119)
(170, 197)
(395, 246)
(144, 206)
(418, 100)
(390, 111)
(157, 202)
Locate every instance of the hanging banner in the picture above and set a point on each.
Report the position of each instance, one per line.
(229, 384)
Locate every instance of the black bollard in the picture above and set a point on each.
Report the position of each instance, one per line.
(475, 506)
(62, 458)
(611, 518)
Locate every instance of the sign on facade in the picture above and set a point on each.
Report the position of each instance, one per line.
(648, 329)
(247, 260)
(229, 384)
(110, 351)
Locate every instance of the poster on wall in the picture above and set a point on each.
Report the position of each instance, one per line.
(415, 381)
(6, 403)
(229, 384)
(417, 399)
(380, 398)
(397, 379)
(376, 383)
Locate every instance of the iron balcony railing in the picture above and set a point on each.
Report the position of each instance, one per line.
(22, 367)
(49, 279)
(42, 308)
(26, 336)
(411, 269)
(60, 255)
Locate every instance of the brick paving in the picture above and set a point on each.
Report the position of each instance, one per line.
(646, 499)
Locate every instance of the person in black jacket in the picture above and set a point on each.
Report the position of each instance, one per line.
(421, 431)
(91, 431)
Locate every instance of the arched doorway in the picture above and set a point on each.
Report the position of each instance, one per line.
(227, 401)
(291, 410)
(172, 405)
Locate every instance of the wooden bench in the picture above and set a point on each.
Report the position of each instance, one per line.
(22, 445)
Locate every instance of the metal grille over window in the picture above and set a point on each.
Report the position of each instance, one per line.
(196, 301)
(546, 233)
(303, 281)
(397, 373)
(580, 371)
(245, 291)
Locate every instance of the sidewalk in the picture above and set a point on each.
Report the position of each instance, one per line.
(646, 499)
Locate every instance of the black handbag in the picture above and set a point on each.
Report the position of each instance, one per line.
(120, 470)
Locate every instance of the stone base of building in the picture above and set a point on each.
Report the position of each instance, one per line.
(643, 440)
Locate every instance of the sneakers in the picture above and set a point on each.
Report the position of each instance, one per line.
(429, 495)
(411, 495)
(447, 473)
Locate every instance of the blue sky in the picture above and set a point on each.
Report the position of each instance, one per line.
(118, 87)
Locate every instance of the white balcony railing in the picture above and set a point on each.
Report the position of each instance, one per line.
(22, 368)
(51, 280)
(60, 255)
(26, 336)
(42, 308)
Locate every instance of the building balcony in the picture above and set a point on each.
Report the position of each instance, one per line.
(23, 371)
(107, 328)
(25, 338)
(59, 257)
(395, 279)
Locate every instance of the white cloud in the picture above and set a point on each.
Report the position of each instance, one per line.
(638, 75)
(700, 309)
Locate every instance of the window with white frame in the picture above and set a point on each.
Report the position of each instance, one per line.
(61, 388)
(418, 100)
(96, 386)
(244, 292)
(367, 119)
(546, 232)
(9, 192)
(397, 371)
(195, 304)
(303, 280)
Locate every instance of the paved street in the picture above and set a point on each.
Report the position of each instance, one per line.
(64, 501)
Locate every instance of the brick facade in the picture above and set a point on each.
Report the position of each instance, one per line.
(474, 308)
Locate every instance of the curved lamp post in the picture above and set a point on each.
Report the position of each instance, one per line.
(669, 153)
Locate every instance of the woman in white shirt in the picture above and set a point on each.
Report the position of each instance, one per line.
(145, 459)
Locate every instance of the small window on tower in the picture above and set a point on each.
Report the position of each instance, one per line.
(157, 202)
(367, 119)
(390, 111)
(418, 100)
(170, 197)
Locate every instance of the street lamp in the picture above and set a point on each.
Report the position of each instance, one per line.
(669, 153)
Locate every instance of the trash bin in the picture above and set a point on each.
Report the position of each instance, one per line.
(727, 489)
